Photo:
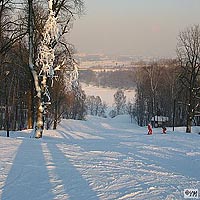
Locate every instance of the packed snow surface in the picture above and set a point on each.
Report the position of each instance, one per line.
(99, 159)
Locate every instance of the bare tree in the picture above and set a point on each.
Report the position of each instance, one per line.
(188, 51)
(154, 73)
(141, 102)
(95, 106)
(156, 90)
(120, 102)
(10, 27)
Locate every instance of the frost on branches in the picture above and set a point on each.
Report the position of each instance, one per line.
(45, 61)
(72, 79)
(73, 82)
(46, 52)
(72, 76)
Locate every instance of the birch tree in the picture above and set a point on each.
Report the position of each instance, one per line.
(153, 72)
(45, 60)
(156, 90)
(64, 10)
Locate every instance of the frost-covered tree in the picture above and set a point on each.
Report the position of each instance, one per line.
(46, 53)
(45, 61)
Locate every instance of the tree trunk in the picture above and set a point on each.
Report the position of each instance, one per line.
(189, 124)
(30, 111)
(16, 122)
(190, 113)
(40, 120)
(39, 107)
(55, 121)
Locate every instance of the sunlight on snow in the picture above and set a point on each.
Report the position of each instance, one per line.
(57, 183)
(10, 148)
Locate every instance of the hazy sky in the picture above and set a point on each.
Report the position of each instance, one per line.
(134, 27)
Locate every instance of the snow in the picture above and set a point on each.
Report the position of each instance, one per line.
(106, 93)
(99, 159)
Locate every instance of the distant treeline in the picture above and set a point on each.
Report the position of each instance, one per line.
(114, 79)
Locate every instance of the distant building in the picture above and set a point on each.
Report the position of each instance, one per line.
(159, 121)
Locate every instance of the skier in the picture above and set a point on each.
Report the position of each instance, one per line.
(164, 129)
(150, 131)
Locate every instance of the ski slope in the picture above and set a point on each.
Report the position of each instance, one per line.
(99, 159)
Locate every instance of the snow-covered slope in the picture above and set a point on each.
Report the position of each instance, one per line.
(99, 159)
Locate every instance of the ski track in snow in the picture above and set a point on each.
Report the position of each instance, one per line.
(99, 159)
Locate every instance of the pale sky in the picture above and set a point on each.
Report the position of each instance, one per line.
(133, 27)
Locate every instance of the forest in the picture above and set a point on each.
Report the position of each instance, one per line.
(38, 73)
(114, 79)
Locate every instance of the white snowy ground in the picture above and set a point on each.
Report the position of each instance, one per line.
(106, 93)
(99, 159)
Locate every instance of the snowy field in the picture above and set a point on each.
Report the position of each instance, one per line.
(99, 159)
(106, 94)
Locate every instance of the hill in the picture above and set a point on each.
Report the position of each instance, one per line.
(99, 159)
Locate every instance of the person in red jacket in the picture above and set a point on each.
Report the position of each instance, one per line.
(164, 130)
(150, 131)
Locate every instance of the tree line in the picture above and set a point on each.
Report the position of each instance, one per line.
(165, 87)
(172, 88)
(96, 107)
(113, 79)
